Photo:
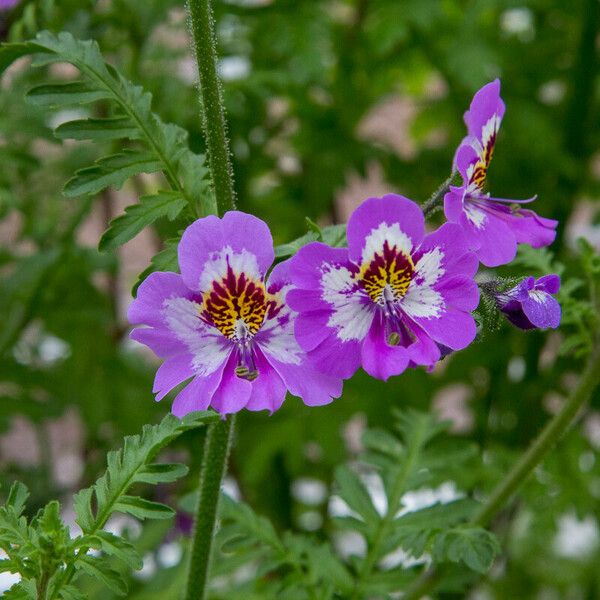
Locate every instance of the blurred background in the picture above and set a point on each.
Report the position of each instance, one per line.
(328, 102)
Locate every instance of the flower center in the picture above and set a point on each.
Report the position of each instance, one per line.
(236, 305)
(387, 276)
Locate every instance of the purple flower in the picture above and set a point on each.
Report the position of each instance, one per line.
(529, 305)
(221, 325)
(494, 225)
(387, 300)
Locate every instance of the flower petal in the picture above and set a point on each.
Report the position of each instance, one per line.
(305, 267)
(151, 295)
(485, 105)
(393, 218)
(197, 394)
(379, 359)
(247, 232)
(549, 283)
(268, 389)
(315, 389)
(233, 392)
(542, 310)
(491, 238)
(453, 328)
(171, 373)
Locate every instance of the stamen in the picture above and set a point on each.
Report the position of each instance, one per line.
(394, 338)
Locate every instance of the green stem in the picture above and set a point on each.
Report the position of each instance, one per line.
(214, 465)
(436, 199)
(213, 113)
(219, 436)
(538, 450)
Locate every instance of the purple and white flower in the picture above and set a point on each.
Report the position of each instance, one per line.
(494, 225)
(530, 304)
(390, 298)
(222, 326)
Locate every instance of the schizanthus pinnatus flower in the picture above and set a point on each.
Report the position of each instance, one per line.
(222, 325)
(494, 225)
(529, 305)
(390, 298)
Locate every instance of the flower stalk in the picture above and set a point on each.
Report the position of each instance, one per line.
(218, 440)
(214, 466)
(202, 26)
(521, 470)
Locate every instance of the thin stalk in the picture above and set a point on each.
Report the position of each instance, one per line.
(219, 436)
(202, 26)
(214, 466)
(436, 199)
(519, 473)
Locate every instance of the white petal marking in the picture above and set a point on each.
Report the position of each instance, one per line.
(428, 269)
(392, 234)
(276, 336)
(216, 267)
(351, 317)
(422, 301)
(475, 215)
(206, 344)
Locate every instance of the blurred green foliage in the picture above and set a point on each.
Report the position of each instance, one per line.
(299, 80)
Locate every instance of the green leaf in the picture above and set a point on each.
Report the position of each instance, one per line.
(116, 546)
(69, 592)
(98, 569)
(249, 525)
(17, 497)
(126, 467)
(162, 473)
(473, 546)
(136, 217)
(114, 128)
(165, 260)
(111, 170)
(352, 490)
(291, 248)
(24, 590)
(165, 143)
(65, 94)
(143, 509)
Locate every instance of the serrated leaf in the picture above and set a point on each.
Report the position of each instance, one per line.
(112, 170)
(138, 216)
(124, 466)
(69, 592)
(114, 128)
(353, 491)
(143, 509)
(97, 568)
(17, 497)
(161, 473)
(166, 143)
(24, 590)
(473, 546)
(249, 524)
(82, 504)
(118, 547)
(65, 94)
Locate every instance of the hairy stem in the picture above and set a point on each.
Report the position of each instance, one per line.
(214, 464)
(436, 199)
(213, 113)
(219, 436)
(537, 451)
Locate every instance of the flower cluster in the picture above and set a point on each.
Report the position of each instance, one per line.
(396, 297)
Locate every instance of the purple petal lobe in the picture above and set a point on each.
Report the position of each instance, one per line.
(393, 218)
(380, 359)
